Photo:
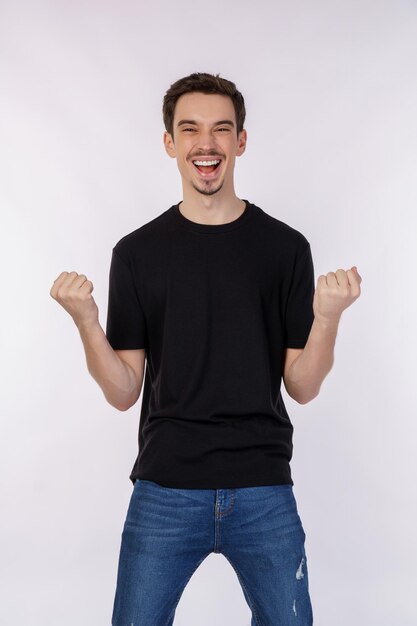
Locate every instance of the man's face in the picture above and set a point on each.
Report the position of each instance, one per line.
(204, 130)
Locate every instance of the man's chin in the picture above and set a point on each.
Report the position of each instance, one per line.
(208, 192)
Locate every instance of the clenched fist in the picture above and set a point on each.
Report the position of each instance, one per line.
(73, 292)
(334, 293)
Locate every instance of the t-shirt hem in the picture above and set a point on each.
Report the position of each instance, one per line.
(221, 483)
(296, 344)
(118, 346)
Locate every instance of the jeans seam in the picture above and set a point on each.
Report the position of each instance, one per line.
(230, 508)
(217, 534)
(251, 603)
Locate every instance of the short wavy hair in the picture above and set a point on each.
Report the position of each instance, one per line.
(203, 83)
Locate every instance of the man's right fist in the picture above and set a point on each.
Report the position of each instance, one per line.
(73, 292)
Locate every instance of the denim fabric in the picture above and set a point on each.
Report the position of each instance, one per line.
(168, 532)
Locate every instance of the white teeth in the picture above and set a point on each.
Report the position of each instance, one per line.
(206, 162)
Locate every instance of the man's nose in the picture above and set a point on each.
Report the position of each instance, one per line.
(206, 140)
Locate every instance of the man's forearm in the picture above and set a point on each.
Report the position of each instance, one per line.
(116, 379)
(310, 368)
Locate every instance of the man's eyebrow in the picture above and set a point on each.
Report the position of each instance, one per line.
(229, 122)
(186, 122)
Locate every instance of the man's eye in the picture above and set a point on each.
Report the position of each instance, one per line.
(226, 129)
(186, 129)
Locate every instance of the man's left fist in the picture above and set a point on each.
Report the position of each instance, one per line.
(334, 293)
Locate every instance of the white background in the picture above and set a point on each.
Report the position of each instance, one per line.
(331, 95)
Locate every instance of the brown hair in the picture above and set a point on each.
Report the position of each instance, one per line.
(203, 83)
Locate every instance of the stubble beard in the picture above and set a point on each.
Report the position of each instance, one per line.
(208, 192)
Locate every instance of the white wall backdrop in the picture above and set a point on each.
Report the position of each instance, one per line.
(331, 95)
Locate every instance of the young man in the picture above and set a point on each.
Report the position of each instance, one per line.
(219, 297)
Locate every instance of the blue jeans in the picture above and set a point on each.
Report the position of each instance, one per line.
(168, 532)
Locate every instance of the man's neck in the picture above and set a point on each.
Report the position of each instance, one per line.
(212, 209)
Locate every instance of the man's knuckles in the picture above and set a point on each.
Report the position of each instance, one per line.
(354, 277)
(336, 290)
(68, 286)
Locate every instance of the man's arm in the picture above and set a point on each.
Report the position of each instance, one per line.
(305, 369)
(119, 373)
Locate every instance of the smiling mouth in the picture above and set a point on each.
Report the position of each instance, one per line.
(206, 167)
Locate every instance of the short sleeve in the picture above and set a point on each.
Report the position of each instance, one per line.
(126, 323)
(299, 311)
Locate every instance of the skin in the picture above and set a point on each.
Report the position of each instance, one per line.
(207, 201)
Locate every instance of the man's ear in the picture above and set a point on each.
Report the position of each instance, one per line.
(241, 144)
(169, 144)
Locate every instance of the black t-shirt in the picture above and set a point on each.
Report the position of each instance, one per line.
(215, 307)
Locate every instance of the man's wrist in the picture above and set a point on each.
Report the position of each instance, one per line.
(327, 324)
(88, 326)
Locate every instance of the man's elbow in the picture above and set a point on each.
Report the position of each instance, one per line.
(304, 397)
(124, 406)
